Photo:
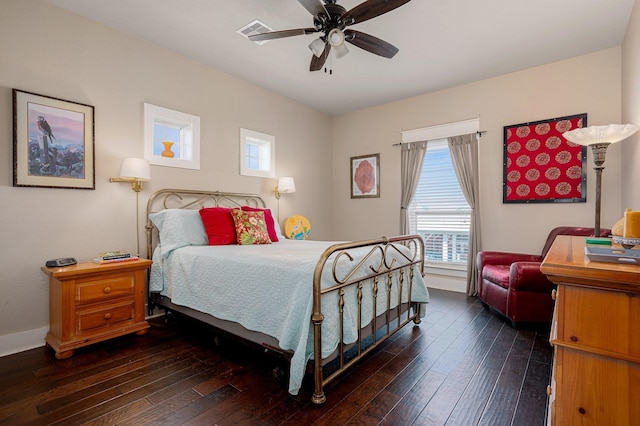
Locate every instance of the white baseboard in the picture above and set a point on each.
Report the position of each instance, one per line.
(446, 282)
(23, 341)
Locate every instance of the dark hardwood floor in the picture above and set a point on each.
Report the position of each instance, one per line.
(462, 365)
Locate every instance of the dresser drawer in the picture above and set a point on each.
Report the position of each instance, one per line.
(604, 321)
(104, 288)
(91, 319)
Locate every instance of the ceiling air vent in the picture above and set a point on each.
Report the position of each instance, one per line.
(254, 27)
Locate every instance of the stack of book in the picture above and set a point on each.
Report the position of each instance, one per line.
(115, 256)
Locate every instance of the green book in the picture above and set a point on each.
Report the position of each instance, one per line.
(599, 240)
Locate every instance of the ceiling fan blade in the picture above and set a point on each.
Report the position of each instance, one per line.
(282, 34)
(317, 63)
(370, 43)
(315, 7)
(370, 9)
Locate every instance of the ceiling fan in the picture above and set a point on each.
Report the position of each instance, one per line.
(331, 20)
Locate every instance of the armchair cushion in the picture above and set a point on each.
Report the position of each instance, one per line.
(498, 274)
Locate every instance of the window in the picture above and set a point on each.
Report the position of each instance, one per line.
(257, 154)
(253, 156)
(171, 138)
(439, 212)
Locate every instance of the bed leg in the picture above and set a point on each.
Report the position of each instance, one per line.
(416, 318)
(318, 392)
(318, 399)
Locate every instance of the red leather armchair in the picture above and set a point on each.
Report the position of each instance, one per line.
(512, 284)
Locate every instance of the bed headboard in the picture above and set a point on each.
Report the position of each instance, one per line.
(192, 200)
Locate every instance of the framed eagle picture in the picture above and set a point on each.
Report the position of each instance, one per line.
(53, 142)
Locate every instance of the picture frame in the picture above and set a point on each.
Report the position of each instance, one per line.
(53, 142)
(541, 166)
(365, 176)
(171, 138)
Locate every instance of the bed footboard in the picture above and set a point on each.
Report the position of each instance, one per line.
(388, 263)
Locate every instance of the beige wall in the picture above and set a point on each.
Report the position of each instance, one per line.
(589, 83)
(631, 111)
(46, 50)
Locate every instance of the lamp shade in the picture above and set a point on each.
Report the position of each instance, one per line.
(341, 50)
(611, 133)
(286, 185)
(317, 47)
(135, 168)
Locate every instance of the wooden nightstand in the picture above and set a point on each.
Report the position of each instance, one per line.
(91, 302)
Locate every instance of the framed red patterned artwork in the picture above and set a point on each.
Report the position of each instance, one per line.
(541, 166)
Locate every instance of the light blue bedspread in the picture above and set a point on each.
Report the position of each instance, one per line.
(266, 288)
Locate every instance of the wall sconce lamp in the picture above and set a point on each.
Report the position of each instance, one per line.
(599, 138)
(135, 171)
(286, 185)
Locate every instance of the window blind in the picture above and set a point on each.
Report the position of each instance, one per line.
(439, 212)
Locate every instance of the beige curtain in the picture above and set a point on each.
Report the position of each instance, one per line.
(412, 157)
(464, 155)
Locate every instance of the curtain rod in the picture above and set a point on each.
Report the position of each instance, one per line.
(479, 133)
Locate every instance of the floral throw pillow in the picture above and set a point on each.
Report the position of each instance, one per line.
(251, 227)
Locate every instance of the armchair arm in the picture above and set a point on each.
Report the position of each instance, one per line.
(526, 276)
(504, 258)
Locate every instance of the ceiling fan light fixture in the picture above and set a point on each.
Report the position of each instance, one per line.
(336, 37)
(317, 47)
(340, 50)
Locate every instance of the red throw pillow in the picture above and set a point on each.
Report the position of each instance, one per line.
(268, 218)
(219, 225)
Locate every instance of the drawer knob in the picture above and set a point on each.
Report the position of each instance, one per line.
(574, 339)
(107, 316)
(554, 294)
(549, 390)
(106, 290)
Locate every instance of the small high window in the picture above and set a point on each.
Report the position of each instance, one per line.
(171, 138)
(257, 154)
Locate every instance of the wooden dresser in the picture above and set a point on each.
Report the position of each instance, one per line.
(91, 302)
(596, 338)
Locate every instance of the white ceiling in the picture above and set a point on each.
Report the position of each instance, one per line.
(443, 43)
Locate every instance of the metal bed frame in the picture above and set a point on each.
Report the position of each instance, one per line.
(380, 274)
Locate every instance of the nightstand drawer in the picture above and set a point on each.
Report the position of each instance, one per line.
(90, 319)
(105, 288)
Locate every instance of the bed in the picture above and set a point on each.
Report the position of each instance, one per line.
(319, 302)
